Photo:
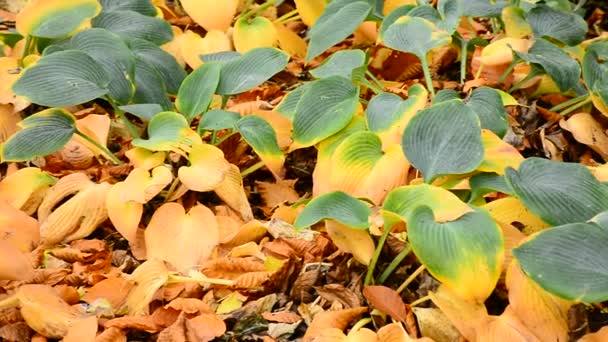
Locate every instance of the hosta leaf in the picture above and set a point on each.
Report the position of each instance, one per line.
(196, 92)
(446, 94)
(231, 191)
(210, 14)
(55, 18)
(427, 12)
(62, 79)
(516, 25)
(250, 70)
(288, 105)
(218, 119)
(260, 135)
(498, 154)
(337, 206)
(168, 131)
(324, 109)
(149, 86)
(485, 183)
(251, 33)
(148, 277)
(22, 189)
(487, 104)
(144, 111)
(130, 24)
(444, 139)
(510, 211)
(42, 133)
(351, 240)
(451, 11)
(166, 65)
(559, 193)
(567, 27)
(395, 14)
(465, 255)
(388, 115)
(483, 8)
(144, 7)
(338, 21)
(404, 200)
(415, 35)
(341, 63)
(183, 239)
(578, 274)
(120, 65)
(595, 70)
(205, 160)
(562, 68)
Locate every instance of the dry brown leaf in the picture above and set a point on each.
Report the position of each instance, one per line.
(435, 325)
(282, 317)
(189, 306)
(338, 293)
(8, 121)
(278, 193)
(17, 228)
(231, 191)
(81, 153)
(144, 323)
(14, 264)
(332, 319)
(252, 231)
(251, 280)
(231, 268)
(205, 327)
(83, 330)
(588, 131)
(112, 335)
(182, 239)
(387, 300)
(65, 187)
(16, 332)
(114, 290)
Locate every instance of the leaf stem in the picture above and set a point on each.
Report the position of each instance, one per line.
(253, 168)
(102, 148)
(371, 86)
(360, 324)
(575, 107)
(420, 301)
(171, 189)
(427, 75)
(26, 48)
(569, 103)
(286, 17)
(463, 60)
(215, 281)
(394, 264)
(507, 71)
(411, 278)
(374, 79)
(372, 263)
(258, 9)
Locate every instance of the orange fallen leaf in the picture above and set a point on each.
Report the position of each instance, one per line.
(339, 319)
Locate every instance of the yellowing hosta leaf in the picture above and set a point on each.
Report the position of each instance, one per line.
(354, 241)
(290, 42)
(231, 191)
(17, 228)
(511, 211)
(501, 51)
(506, 327)
(390, 5)
(25, 188)
(588, 131)
(66, 186)
(125, 200)
(149, 277)
(544, 314)
(14, 264)
(498, 154)
(211, 14)
(45, 311)
(9, 120)
(169, 131)
(145, 159)
(80, 152)
(310, 10)
(206, 160)
(516, 25)
(192, 46)
(182, 239)
(174, 46)
(465, 315)
(8, 76)
(253, 33)
(260, 135)
(55, 18)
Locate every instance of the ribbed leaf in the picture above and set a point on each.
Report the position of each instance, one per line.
(324, 109)
(144, 111)
(130, 24)
(466, 255)
(149, 86)
(341, 63)
(288, 105)
(119, 64)
(250, 70)
(168, 131)
(55, 18)
(595, 71)
(62, 79)
(42, 133)
(166, 65)
(567, 27)
(337, 206)
(580, 273)
(196, 92)
(258, 133)
(444, 139)
(144, 7)
(559, 193)
(338, 21)
(218, 119)
(562, 68)
(415, 35)
(484, 8)
(393, 16)
(451, 11)
(485, 183)
(487, 104)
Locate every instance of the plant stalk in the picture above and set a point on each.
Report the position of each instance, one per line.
(371, 86)
(420, 301)
(575, 107)
(258, 9)
(374, 79)
(253, 168)
(102, 148)
(463, 60)
(411, 278)
(287, 17)
(569, 103)
(27, 47)
(372, 263)
(427, 75)
(214, 281)
(393, 265)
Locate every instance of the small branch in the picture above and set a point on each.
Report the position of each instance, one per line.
(374, 79)
(102, 148)
(411, 278)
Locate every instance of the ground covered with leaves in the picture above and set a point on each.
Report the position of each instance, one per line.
(303, 170)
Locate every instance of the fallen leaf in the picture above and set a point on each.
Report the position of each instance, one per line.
(339, 319)
(83, 330)
(357, 242)
(114, 290)
(588, 131)
(388, 301)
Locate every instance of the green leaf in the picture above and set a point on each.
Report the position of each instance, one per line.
(341, 63)
(568, 261)
(386, 110)
(325, 108)
(445, 95)
(220, 57)
(288, 105)
(562, 68)
(42, 134)
(149, 86)
(166, 65)
(196, 92)
(427, 12)
(144, 7)
(119, 64)
(337, 206)
(595, 68)
(484, 8)
(558, 193)
(444, 139)
(260, 135)
(250, 70)
(55, 20)
(63, 79)
(485, 183)
(567, 27)
(338, 21)
(466, 255)
(144, 111)
(415, 35)
(393, 16)
(487, 104)
(218, 119)
(130, 24)
(451, 11)
(167, 131)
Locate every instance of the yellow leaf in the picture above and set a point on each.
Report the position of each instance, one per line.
(145, 159)
(339, 319)
(510, 211)
(466, 316)
(35, 18)
(310, 10)
(600, 336)
(290, 42)
(498, 154)
(230, 303)
(79, 152)
(506, 327)
(501, 51)
(254, 33)
(25, 188)
(173, 47)
(205, 160)
(182, 239)
(14, 264)
(588, 131)
(192, 46)
(390, 5)
(8, 121)
(8, 75)
(211, 14)
(356, 242)
(83, 330)
(148, 277)
(66, 186)
(17, 228)
(231, 191)
(515, 22)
